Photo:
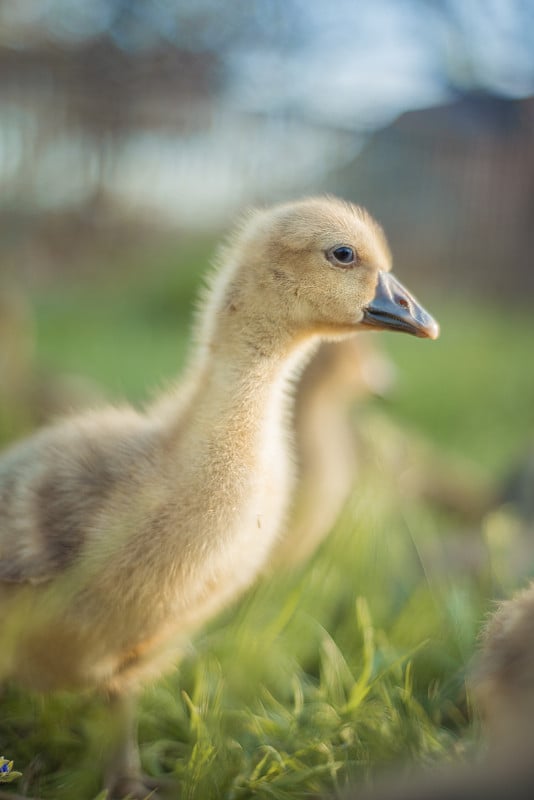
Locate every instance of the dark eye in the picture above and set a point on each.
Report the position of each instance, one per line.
(342, 255)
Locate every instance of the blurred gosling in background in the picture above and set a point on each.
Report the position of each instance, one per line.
(340, 375)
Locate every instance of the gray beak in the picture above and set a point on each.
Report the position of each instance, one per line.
(394, 308)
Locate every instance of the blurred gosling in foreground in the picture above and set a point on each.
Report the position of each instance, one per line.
(503, 686)
(121, 532)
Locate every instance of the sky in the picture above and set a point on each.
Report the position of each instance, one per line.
(360, 64)
(338, 62)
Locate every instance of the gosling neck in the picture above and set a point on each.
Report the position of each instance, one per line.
(239, 374)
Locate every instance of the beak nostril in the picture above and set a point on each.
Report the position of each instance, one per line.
(394, 307)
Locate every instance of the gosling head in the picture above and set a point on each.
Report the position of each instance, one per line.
(321, 265)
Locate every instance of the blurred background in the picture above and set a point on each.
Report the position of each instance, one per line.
(125, 120)
(132, 133)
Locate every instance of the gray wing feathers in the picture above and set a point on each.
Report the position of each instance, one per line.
(55, 486)
(46, 508)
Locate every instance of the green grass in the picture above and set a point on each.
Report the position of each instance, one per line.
(472, 391)
(326, 676)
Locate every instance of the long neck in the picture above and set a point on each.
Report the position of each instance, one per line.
(225, 463)
(238, 382)
(229, 446)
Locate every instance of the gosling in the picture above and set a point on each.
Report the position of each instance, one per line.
(121, 532)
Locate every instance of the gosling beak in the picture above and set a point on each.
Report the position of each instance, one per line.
(393, 307)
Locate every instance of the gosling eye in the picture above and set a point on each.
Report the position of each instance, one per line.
(342, 256)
